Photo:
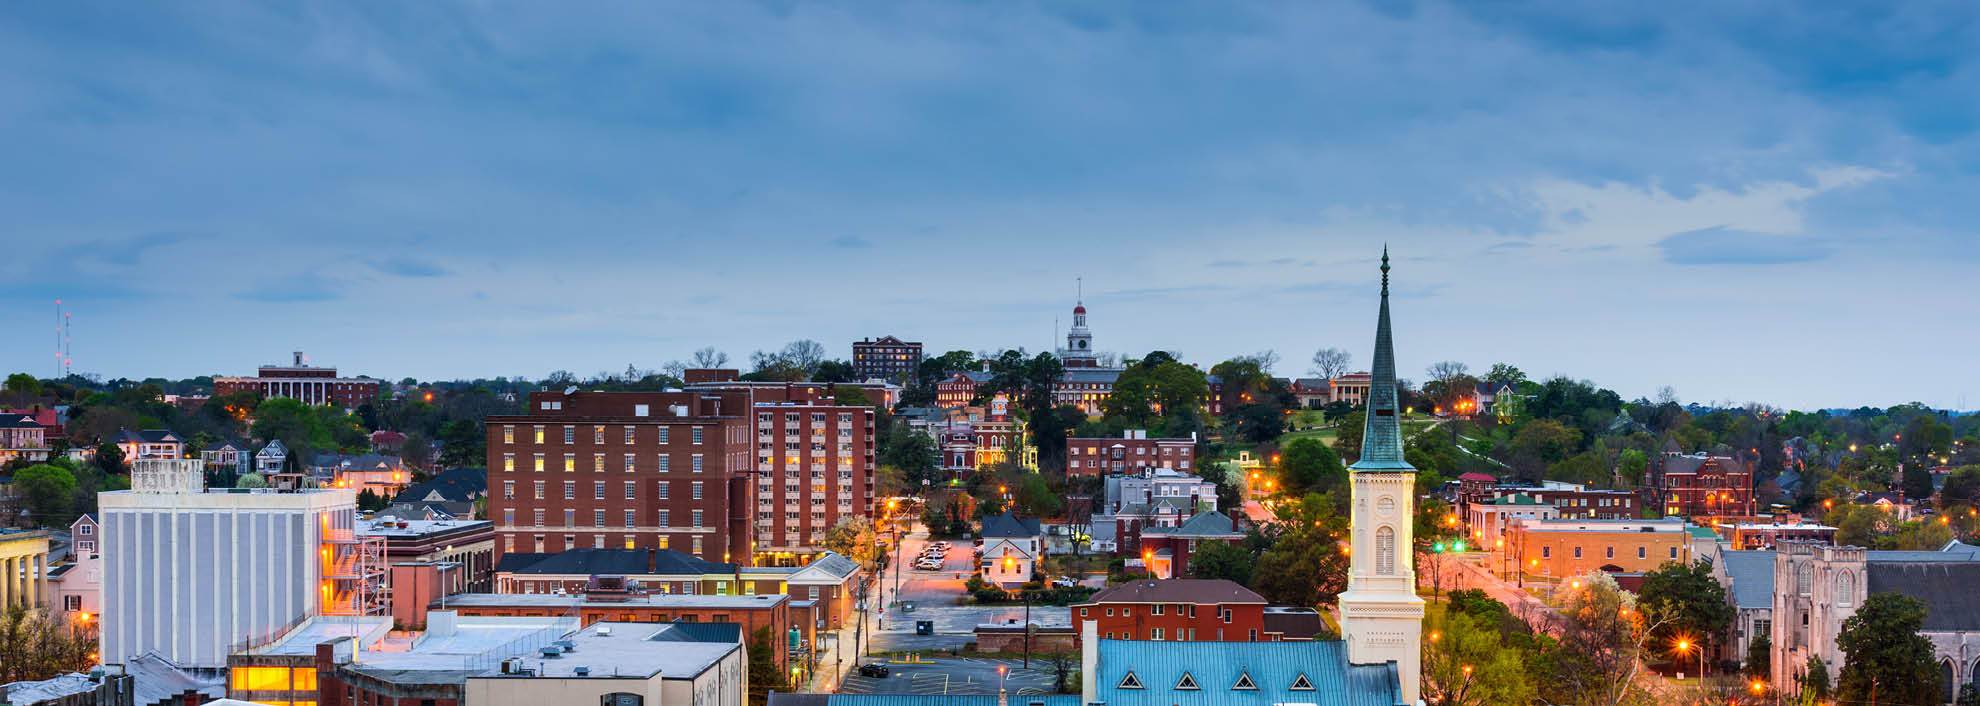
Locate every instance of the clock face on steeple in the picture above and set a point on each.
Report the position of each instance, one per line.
(1082, 345)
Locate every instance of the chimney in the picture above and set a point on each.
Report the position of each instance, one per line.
(1089, 661)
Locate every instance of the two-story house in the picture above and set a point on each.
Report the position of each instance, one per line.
(1009, 550)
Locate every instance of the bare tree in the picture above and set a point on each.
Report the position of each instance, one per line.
(674, 369)
(1667, 395)
(708, 358)
(1603, 635)
(804, 354)
(1447, 371)
(1331, 363)
(1266, 359)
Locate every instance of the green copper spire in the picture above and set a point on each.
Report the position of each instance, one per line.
(1381, 440)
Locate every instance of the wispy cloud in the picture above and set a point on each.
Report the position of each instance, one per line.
(1725, 246)
(307, 286)
(408, 266)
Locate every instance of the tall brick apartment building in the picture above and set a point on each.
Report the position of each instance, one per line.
(746, 474)
(886, 358)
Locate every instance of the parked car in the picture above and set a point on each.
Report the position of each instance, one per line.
(1064, 582)
(873, 669)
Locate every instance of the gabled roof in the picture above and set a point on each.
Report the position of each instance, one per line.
(1946, 589)
(460, 485)
(1515, 499)
(17, 421)
(1205, 524)
(1474, 475)
(830, 565)
(1008, 525)
(1752, 574)
(225, 444)
(1177, 591)
(147, 436)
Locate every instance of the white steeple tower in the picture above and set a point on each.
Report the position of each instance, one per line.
(1079, 340)
(1381, 615)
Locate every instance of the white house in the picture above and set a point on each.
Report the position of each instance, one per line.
(1009, 550)
(75, 589)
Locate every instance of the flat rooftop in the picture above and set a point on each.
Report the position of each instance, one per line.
(415, 529)
(654, 600)
(632, 649)
(1574, 525)
(302, 641)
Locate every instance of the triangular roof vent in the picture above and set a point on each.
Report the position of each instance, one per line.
(1187, 683)
(1301, 684)
(1244, 683)
(1130, 681)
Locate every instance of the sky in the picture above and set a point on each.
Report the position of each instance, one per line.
(1745, 201)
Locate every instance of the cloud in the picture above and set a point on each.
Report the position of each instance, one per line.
(1724, 246)
(851, 242)
(310, 286)
(406, 266)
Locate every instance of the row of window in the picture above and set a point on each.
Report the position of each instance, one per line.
(598, 490)
(629, 436)
(666, 463)
(628, 541)
(597, 518)
(1547, 552)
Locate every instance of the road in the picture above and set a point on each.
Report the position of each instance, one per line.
(1462, 571)
(954, 676)
(938, 596)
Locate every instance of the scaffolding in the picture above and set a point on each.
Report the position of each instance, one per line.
(354, 574)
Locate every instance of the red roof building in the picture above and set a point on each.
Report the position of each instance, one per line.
(1203, 610)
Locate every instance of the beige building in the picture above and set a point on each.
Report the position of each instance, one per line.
(1570, 547)
(23, 567)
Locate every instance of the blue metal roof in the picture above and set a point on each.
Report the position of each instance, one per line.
(925, 699)
(1274, 668)
(1752, 574)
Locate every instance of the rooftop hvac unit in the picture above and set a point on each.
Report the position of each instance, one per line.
(552, 651)
(581, 671)
(513, 665)
(604, 630)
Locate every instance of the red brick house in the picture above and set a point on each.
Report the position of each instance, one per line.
(1202, 610)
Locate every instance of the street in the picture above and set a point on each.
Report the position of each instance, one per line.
(954, 676)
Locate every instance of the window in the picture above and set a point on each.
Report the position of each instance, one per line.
(1609, 552)
(1845, 590)
(1546, 552)
(639, 410)
(1642, 552)
(508, 433)
(539, 463)
(1577, 552)
(598, 490)
(570, 463)
(696, 488)
(630, 492)
(1156, 634)
(72, 603)
(663, 435)
(663, 489)
(1385, 550)
(1674, 552)
(695, 436)
(598, 463)
(665, 463)
(570, 517)
(697, 463)
(629, 463)
(570, 490)
(539, 490)
(570, 434)
(598, 434)
(697, 523)
(630, 520)
(1155, 609)
(508, 490)
(539, 433)
(509, 463)
(537, 519)
(509, 517)
(663, 518)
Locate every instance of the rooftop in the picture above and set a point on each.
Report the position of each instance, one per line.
(1299, 672)
(1673, 525)
(1752, 574)
(1177, 591)
(415, 528)
(654, 600)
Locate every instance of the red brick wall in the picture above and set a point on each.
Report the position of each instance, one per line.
(1138, 621)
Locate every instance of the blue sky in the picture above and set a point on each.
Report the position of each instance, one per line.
(1745, 201)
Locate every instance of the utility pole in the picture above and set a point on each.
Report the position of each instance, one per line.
(1027, 628)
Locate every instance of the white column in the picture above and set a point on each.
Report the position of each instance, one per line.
(6, 582)
(37, 568)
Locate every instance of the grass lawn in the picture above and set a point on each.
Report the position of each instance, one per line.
(1410, 426)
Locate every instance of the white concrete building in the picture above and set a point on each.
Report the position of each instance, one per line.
(193, 574)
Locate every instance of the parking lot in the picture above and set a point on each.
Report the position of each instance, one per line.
(957, 675)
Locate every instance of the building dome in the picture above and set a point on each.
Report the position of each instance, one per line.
(1079, 309)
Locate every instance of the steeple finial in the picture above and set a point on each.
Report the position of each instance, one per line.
(1385, 270)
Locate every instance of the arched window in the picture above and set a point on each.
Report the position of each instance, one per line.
(1803, 576)
(1845, 590)
(1946, 682)
(1385, 550)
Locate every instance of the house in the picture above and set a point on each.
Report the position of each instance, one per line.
(1009, 549)
(75, 588)
(50, 419)
(451, 492)
(271, 460)
(149, 443)
(383, 475)
(1175, 609)
(21, 437)
(1165, 550)
(1893, 503)
(1313, 393)
(830, 582)
(228, 455)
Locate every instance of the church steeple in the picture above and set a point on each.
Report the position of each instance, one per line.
(1381, 437)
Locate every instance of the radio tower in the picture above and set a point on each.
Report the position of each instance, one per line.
(58, 338)
(67, 362)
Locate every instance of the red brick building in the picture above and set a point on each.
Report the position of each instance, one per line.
(1207, 610)
(1133, 451)
(727, 472)
(957, 391)
(1700, 486)
(301, 381)
(886, 358)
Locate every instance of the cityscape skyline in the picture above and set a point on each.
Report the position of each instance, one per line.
(1716, 200)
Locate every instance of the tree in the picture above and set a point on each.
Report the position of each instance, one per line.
(1222, 560)
(764, 676)
(834, 371)
(1310, 467)
(1815, 682)
(368, 501)
(1347, 435)
(1917, 481)
(708, 358)
(1304, 564)
(35, 645)
(1885, 660)
(1506, 373)
(1445, 371)
(1760, 657)
(1694, 601)
(1331, 363)
(1599, 643)
(48, 491)
(1539, 444)
(1963, 486)
(1035, 497)
(854, 538)
(1467, 663)
(911, 451)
